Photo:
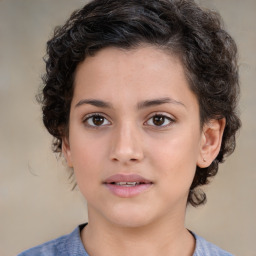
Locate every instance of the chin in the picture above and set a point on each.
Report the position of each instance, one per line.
(131, 218)
(131, 223)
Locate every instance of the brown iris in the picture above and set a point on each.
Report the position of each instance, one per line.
(98, 120)
(158, 120)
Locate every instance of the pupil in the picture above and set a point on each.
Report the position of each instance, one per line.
(158, 120)
(98, 120)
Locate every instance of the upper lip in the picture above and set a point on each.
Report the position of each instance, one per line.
(126, 178)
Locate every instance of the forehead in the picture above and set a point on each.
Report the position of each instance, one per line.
(141, 55)
(143, 72)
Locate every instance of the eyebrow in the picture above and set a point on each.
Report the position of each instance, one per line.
(156, 102)
(94, 102)
(140, 105)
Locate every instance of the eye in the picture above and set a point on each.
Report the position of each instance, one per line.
(96, 120)
(160, 120)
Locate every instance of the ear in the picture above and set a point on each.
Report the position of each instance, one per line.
(211, 141)
(67, 152)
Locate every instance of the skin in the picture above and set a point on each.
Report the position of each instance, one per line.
(128, 141)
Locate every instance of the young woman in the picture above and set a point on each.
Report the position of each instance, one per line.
(141, 99)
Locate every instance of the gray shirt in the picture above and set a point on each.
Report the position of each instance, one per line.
(71, 245)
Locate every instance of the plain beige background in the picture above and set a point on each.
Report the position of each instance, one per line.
(36, 201)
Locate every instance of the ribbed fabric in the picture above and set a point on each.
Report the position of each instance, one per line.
(71, 245)
(204, 248)
(68, 245)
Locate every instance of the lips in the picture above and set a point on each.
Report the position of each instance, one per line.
(129, 185)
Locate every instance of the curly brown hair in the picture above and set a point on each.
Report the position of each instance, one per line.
(196, 35)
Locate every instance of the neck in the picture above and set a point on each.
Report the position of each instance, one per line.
(163, 237)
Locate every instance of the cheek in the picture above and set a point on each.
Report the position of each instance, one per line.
(175, 158)
(87, 156)
(176, 150)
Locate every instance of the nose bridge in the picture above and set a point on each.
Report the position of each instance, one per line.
(127, 143)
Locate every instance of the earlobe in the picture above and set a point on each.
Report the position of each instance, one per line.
(211, 141)
(66, 152)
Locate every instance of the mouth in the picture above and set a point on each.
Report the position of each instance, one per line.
(128, 185)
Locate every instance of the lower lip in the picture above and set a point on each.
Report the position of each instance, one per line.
(126, 192)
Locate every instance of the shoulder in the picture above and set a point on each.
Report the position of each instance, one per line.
(49, 248)
(205, 248)
(65, 245)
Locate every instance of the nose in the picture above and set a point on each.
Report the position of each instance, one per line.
(127, 144)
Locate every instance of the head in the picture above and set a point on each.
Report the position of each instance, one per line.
(178, 27)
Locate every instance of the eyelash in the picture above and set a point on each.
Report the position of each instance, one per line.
(94, 115)
(165, 117)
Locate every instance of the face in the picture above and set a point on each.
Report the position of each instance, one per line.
(134, 136)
